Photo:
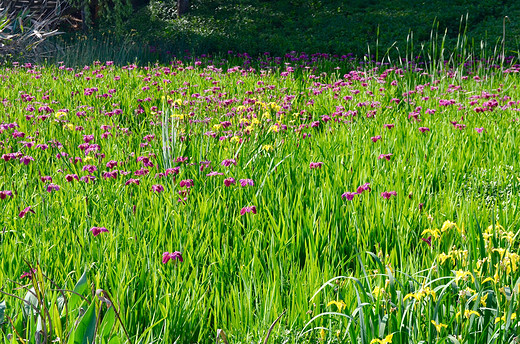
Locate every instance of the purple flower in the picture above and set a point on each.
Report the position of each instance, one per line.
(28, 274)
(132, 181)
(25, 211)
(423, 129)
(46, 179)
(214, 173)
(98, 230)
(186, 183)
(167, 256)
(385, 156)
(5, 193)
(174, 170)
(376, 138)
(87, 179)
(90, 168)
(71, 177)
(158, 188)
(53, 187)
(251, 209)
(364, 187)
(111, 174)
(111, 164)
(315, 165)
(229, 181)
(246, 182)
(479, 130)
(349, 195)
(428, 240)
(228, 162)
(389, 126)
(388, 194)
(26, 160)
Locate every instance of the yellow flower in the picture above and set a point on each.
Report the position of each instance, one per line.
(439, 326)
(340, 304)
(217, 127)
(235, 139)
(323, 334)
(88, 158)
(468, 313)
(509, 236)
(177, 102)
(60, 114)
(483, 300)
(69, 126)
(266, 115)
(462, 275)
(433, 232)
(255, 121)
(377, 292)
(386, 340)
(268, 148)
(249, 128)
(443, 257)
(500, 251)
(447, 225)
(503, 318)
(274, 128)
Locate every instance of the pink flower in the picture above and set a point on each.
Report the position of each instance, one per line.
(167, 256)
(71, 177)
(316, 165)
(26, 160)
(174, 170)
(389, 126)
(385, 156)
(111, 174)
(423, 129)
(228, 162)
(46, 179)
(158, 188)
(87, 179)
(251, 209)
(349, 195)
(98, 230)
(132, 181)
(5, 193)
(111, 164)
(229, 181)
(364, 187)
(376, 138)
(25, 211)
(186, 183)
(214, 173)
(388, 194)
(479, 130)
(53, 187)
(246, 182)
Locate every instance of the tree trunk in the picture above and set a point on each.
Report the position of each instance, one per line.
(182, 7)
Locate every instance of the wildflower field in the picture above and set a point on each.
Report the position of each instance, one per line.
(201, 201)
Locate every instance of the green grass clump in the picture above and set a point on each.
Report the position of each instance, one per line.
(263, 185)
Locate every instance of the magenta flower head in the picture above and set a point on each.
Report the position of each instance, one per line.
(186, 183)
(424, 129)
(229, 181)
(228, 162)
(132, 181)
(5, 193)
(87, 179)
(385, 156)
(214, 173)
(479, 130)
(315, 165)
(111, 164)
(388, 194)
(376, 138)
(98, 230)
(364, 187)
(46, 179)
(389, 126)
(29, 274)
(246, 182)
(167, 256)
(90, 168)
(26, 160)
(71, 177)
(25, 211)
(349, 195)
(53, 187)
(251, 209)
(158, 188)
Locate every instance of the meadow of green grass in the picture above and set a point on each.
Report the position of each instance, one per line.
(373, 203)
